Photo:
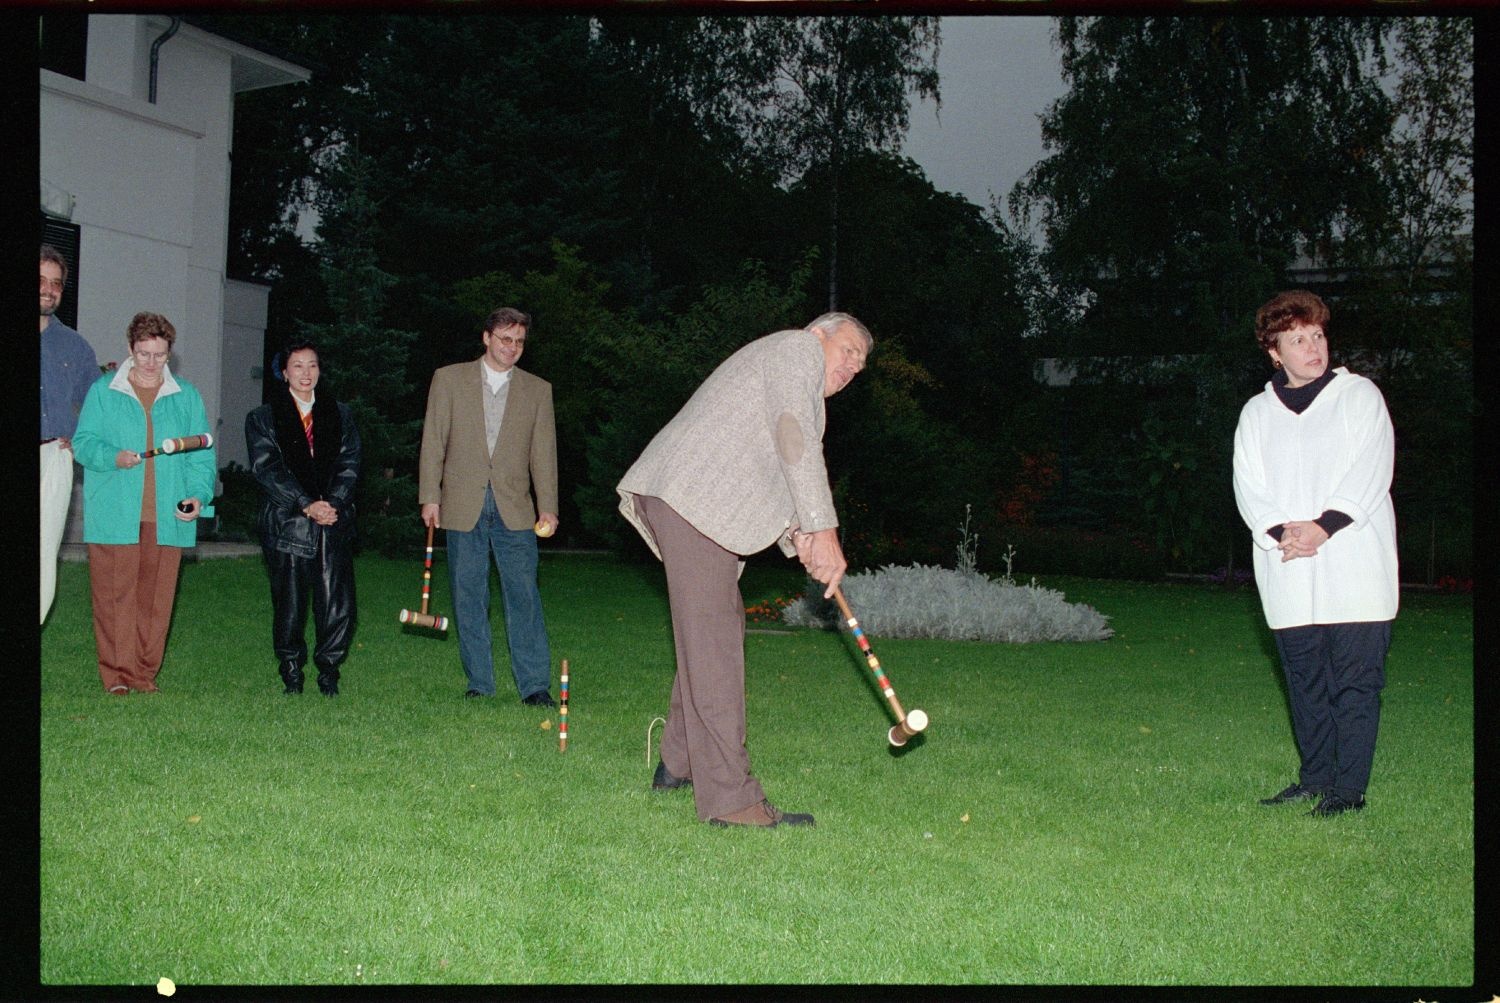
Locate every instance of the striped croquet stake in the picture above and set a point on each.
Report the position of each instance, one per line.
(906, 725)
(562, 710)
(180, 445)
(425, 619)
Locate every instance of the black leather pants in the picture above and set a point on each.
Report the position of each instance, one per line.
(329, 578)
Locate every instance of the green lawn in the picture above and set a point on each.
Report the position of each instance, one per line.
(1075, 814)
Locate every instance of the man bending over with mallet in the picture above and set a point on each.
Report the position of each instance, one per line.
(739, 468)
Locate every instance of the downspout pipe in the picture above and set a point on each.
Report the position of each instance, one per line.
(156, 50)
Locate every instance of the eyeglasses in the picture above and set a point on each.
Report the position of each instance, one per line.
(508, 341)
(152, 356)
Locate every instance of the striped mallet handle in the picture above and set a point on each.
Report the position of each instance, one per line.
(180, 445)
(424, 619)
(562, 710)
(906, 725)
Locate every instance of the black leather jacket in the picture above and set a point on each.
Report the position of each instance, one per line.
(291, 478)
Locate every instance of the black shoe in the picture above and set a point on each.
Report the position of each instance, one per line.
(763, 815)
(661, 780)
(1296, 792)
(291, 676)
(328, 684)
(541, 698)
(471, 694)
(1332, 804)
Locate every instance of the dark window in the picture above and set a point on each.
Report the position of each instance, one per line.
(64, 236)
(65, 43)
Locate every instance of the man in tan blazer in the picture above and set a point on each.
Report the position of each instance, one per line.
(739, 468)
(488, 440)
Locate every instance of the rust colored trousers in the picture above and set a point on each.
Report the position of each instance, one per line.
(133, 587)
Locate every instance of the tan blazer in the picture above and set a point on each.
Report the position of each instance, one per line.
(743, 460)
(455, 464)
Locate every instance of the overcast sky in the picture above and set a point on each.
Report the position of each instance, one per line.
(997, 74)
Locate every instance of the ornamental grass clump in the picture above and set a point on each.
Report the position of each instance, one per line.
(961, 604)
(928, 601)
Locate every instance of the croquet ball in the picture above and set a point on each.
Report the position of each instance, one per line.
(543, 528)
(184, 507)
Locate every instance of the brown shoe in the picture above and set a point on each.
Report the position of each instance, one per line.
(764, 814)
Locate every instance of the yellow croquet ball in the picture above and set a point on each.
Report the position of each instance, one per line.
(543, 529)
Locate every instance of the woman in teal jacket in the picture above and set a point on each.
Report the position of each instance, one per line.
(140, 511)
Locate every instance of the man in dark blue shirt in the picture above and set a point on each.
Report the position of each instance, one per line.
(69, 368)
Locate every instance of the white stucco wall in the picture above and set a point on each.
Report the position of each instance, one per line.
(150, 184)
(134, 236)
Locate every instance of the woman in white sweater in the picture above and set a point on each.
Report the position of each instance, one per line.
(1313, 456)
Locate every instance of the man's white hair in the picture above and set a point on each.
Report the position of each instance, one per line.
(828, 323)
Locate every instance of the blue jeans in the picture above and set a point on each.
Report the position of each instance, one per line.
(469, 574)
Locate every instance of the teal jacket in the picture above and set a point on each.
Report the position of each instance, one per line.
(112, 419)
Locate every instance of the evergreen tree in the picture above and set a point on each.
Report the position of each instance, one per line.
(816, 92)
(365, 359)
(1192, 160)
(1406, 319)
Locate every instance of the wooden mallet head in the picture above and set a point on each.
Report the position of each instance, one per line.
(422, 618)
(429, 620)
(908, 727)
(182, 444)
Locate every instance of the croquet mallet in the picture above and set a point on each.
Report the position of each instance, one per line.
(423, 618)
(906, 724)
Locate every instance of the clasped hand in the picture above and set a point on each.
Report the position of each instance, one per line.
(322, 513)
(1300, 538)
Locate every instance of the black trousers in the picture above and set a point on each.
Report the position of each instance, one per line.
(329, 578)
(1334, 675)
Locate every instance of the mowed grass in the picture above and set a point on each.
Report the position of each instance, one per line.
(1076, 813)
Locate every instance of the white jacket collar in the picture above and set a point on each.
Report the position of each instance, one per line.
(121, 381)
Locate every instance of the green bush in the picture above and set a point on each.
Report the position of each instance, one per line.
(236, 508)
(386, 515)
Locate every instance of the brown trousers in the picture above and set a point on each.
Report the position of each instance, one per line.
(704, 737)
(133, 587)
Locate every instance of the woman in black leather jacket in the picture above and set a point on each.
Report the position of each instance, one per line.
(304, 453)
